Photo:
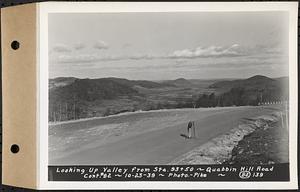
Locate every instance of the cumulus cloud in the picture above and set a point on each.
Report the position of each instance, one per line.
(75, 58)
(211, 51)
(101, 45)
(234, 50)
(180, 56)
(142, 56)
(61, 48)
(86, 58)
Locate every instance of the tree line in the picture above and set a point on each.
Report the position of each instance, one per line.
(240, 97)
(62, 110)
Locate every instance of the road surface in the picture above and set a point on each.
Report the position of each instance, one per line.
(153, 142)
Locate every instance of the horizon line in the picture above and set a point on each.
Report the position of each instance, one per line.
(167, 79)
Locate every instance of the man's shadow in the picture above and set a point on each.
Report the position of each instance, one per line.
(184, 135)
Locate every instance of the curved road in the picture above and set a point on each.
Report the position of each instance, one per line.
(161, 146)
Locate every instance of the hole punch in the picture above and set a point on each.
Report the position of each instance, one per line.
(15, 148)
(15, 45)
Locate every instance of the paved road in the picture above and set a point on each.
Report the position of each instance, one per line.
(163, 145)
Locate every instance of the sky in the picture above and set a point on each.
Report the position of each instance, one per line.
(161, 46)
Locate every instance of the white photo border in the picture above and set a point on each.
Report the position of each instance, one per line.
(43, 9)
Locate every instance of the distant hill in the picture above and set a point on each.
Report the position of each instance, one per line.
(257, 82)
(90, 89)
(73, 98)
(283, 81)
(181, 82)
(249, 91)
(64, 81)
(142, 83)
(61, 81)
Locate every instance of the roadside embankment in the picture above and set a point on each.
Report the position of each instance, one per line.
(250, 142)
(267, 145)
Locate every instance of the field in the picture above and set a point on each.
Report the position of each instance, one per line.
(152, 137)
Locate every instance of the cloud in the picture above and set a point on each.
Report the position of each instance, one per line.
(211, 51)
(101, 45)
(86, 58)
(61, 48)
(180, 56)
(141, 57)
(234, 50)
(79, 46)
(75, 58)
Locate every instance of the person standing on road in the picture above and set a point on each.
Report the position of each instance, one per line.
(189, 127)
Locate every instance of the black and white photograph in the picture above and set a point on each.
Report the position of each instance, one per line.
(109, 95)
(169, 88)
